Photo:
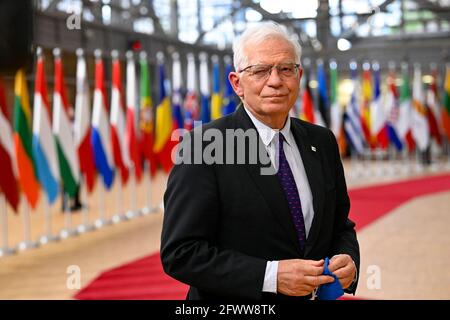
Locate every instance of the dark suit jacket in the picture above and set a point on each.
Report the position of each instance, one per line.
(222, 223)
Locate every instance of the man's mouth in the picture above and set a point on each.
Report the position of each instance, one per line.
(275, 96)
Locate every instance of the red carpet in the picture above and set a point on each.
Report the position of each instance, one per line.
(370, 203)
(144, 279)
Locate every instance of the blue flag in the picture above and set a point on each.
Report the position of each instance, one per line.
(329, 291)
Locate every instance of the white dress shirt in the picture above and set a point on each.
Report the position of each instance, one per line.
(270, 140)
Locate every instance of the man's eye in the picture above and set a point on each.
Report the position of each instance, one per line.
(287, 69)
(260, 71)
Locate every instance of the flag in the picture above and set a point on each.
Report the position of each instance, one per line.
(352, 119)
(82, 128)
(419, 120)
(365, 105)
(176, 91)
(323, 92)
(336, 112)
(392, 107)
(44, 144)
(378, 127)
(191, 105)
(404, 122)
(62, 128)
(165, 124)
(229, 102)
(216, 99)
(307, 113)
(432, 103)
(146, 115)
(8, 177)
(335, 109)
(204, 89)
(315, 98)
(117, 120)
(26, 167)
(132, 135)
(445, 113)
(101, 132)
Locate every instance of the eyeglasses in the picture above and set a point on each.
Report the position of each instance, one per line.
(263, 71)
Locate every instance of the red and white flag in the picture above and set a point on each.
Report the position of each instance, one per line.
(132, 117)
(117, 120)
(8, 176)
(62, 129)
(82, 127)
(432, 102)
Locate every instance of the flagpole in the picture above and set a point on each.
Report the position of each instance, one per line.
(148, 208)
(134, 194)
(119, 202)
(85, 226)
(101, 222)
(48, 237)
(353, 161)
(5, 250)
(360, 160)
(434, 156)
(161, 204)
(418, 165)
(390, 160)
(441, 157)
(132, 212)
(68, 231)
(404, 160)
(48, 223)
(397, 154)
(64, 233)
(448, 154)
(368, 156)
(26, 243)
(411, 156)
(379, 162)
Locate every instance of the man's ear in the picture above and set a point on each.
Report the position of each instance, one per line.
(234, 79)
(300, 73)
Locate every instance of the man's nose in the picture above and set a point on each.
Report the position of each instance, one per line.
(274, 79)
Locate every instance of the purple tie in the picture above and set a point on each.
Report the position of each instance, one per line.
(290, 190)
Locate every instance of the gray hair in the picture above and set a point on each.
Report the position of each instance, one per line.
(258, 34)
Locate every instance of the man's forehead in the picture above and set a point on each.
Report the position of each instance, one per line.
(266, 55)
(269, 47)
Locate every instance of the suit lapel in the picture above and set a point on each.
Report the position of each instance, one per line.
(312, 163)
(268, 185)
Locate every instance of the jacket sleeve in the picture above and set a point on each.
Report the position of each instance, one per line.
(344, 237)
(190, 251)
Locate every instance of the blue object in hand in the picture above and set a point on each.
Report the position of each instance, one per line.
(329, 291)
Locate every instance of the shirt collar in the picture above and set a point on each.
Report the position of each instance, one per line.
(267, 134)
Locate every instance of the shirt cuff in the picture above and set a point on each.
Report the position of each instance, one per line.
(270, 277)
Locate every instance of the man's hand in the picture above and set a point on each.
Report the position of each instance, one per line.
(298, 277)
(343, 267)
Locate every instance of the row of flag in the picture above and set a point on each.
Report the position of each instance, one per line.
(409, 115)
(41, 148)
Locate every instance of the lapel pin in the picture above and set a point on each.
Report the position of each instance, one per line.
(313, 148)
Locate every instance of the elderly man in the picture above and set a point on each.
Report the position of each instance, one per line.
(231, 231)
